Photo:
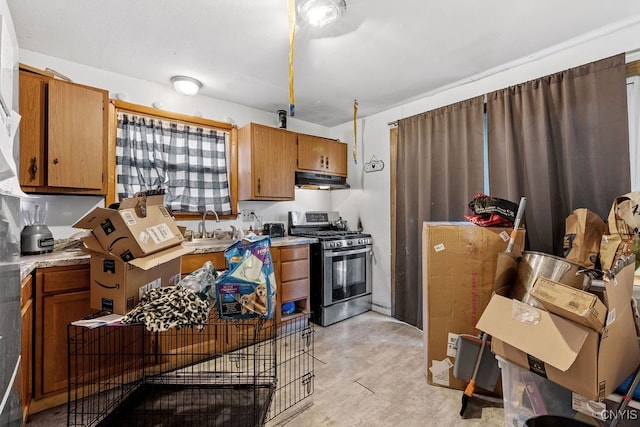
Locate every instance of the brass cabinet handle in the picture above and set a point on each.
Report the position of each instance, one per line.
(33, 169)
(322, 161)
(258, 185)
(56, 161)
(326, 163)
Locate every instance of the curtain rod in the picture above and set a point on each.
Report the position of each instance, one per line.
(576, 41)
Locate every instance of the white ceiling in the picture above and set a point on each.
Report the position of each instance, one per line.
(382, 53)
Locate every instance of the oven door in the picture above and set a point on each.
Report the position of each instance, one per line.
(347, 274)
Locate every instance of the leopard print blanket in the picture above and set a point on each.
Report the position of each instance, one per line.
(164, 308)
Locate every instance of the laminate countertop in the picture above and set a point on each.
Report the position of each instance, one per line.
(65, 253)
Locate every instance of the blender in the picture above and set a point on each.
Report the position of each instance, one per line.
(36, 238)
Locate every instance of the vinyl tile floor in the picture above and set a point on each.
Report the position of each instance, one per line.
(369, 371)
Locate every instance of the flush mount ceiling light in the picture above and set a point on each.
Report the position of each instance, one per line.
(321, 12)
(186, 85)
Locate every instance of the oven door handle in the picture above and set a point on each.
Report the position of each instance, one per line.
(328, 254)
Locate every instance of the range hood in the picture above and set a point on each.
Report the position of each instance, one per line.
(318, 181)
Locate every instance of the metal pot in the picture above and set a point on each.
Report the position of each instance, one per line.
(534, 264)
(340, 224)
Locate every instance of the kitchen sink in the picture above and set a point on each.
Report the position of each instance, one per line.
(209, 242)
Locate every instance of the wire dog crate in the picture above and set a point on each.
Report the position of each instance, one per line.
(230, 373)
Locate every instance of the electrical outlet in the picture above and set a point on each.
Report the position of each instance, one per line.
(247, 215)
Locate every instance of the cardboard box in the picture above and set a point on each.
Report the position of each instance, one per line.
(117, 286)
(608, 410)
(574, 304)
(564, 351)
(140, 227)
(458, 270)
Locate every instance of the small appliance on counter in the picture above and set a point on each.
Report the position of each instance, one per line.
(273, 229)
(36, 238)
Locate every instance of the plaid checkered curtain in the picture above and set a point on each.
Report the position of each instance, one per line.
(189, 162)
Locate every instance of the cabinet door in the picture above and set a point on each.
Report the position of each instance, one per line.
(266, 163)
(76, 135)
(322, 155)
(311, 153)
(58, 311)
(184, 347)
(193, 262)
(274, 163)
(26, 357)
(33, 98)
(337, 158)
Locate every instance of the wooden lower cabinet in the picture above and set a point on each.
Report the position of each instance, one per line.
(193, 262)
(26, 360)
(188, 346)
(291, 264)
(61, 296)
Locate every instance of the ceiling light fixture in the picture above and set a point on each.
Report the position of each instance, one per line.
(319, 13)
(186, 85)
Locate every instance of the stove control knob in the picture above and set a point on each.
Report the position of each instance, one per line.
(338, 244)
(349, 242)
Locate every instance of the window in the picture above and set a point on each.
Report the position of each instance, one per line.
(190, 159)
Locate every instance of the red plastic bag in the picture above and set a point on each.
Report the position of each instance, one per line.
(492, 211)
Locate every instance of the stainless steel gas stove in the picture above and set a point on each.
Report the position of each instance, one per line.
(340, 266)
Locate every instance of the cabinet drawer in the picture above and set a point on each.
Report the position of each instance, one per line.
(295, 290)
(66, 279)
(293, 270)
(293, 253)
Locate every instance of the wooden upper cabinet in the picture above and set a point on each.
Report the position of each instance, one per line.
(63, 136)
(33, 108)
(266, 163)
(322, 155)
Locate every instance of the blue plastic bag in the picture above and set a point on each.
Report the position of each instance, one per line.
(248, 288)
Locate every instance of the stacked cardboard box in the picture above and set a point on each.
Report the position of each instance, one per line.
(458, 271)
(565, 351)
(133, 248)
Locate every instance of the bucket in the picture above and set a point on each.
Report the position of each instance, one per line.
(534, 264)
(554, 421)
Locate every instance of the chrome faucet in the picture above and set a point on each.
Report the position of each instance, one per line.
(203, 226)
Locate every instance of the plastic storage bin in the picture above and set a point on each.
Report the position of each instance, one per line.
(527, 395)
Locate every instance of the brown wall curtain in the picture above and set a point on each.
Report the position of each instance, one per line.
(439, 170)
(562, 142)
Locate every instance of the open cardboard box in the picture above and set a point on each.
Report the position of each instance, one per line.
(139, 227)
(117, 286)
(566, 352)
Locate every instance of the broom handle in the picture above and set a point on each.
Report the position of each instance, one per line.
(627, 397)
(479, 358)
(516, 224)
